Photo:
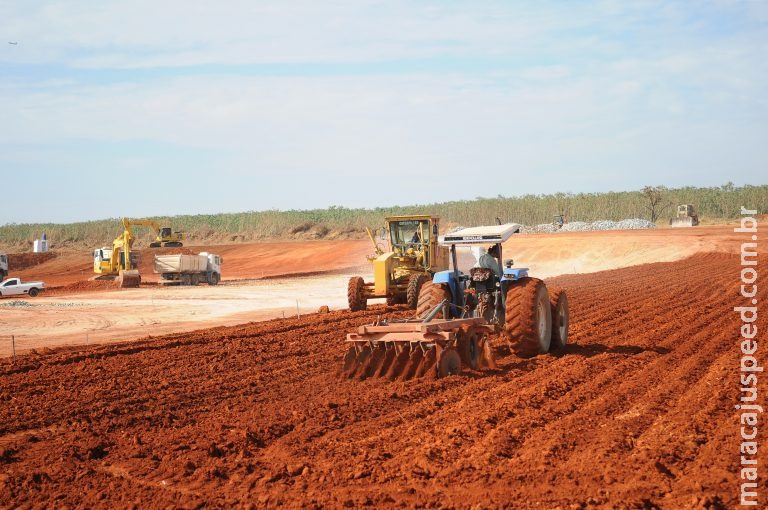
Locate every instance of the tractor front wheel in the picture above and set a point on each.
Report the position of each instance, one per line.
(356, 295)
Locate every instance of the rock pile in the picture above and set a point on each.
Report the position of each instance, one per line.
(581, 226)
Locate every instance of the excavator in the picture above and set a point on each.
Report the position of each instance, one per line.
(120, 263)
(165, 237)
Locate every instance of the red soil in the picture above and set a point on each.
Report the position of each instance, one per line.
(19, 261)
(241, 261)
(637, 413)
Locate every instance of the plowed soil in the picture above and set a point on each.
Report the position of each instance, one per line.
(636, 413)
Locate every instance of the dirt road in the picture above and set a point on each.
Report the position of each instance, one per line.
(637, 413)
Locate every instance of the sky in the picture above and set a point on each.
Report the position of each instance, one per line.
(148, 108)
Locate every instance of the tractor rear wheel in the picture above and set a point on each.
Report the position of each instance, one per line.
(528, 317)
(431, 295)
(415, 282)
(558, 301)
(355, 294)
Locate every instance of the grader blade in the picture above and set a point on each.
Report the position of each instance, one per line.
(415, 348)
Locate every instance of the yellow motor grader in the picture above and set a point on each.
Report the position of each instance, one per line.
(412, 258)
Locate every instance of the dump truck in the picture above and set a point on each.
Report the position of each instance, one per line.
(456, 314)
(686, 217)
(411, 258)
(3, 266)
(183, 269)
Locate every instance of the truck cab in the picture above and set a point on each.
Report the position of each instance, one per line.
(3, 265)
(214, 262)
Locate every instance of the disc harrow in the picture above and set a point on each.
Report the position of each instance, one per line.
(410, 349)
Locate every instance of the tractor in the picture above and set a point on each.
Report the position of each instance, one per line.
(412, 257)
(456, 312)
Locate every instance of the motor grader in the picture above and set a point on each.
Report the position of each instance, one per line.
(413, 255)
(456, 314)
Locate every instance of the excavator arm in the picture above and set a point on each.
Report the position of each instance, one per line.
(163, 235)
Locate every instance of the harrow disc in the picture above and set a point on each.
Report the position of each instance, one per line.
(449, 363)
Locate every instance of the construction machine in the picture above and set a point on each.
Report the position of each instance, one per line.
(457, 312)
(164, 236)
(412, 257)
(119, 262)
(686, 217)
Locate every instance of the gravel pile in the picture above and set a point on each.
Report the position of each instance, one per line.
(581, 226)
(17, 303)
(27, 304)
(544, 228)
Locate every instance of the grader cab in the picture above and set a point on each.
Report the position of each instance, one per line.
(411, 258)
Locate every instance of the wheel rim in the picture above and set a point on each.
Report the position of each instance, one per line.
(541, 315)
(562, 322)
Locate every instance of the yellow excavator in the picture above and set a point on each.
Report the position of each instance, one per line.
(120, 263)
(164, 236)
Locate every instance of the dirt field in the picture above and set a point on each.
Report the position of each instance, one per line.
(637, 413)
(262, 281)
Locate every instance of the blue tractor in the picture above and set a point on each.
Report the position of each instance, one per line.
(533, 319)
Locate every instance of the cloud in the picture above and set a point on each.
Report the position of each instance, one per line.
(532, 97)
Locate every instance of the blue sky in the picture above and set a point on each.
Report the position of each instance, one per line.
(150, 108)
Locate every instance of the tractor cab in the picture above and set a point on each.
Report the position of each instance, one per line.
(481, 291)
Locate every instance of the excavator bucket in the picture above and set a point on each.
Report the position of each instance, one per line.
(414, 348)
(128, 279)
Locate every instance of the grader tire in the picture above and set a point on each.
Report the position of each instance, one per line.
(415, 283)
(355, 295)
(528, 317)
(431, 295)
(558, 301)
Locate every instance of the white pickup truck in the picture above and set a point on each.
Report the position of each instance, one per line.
(14, 287)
